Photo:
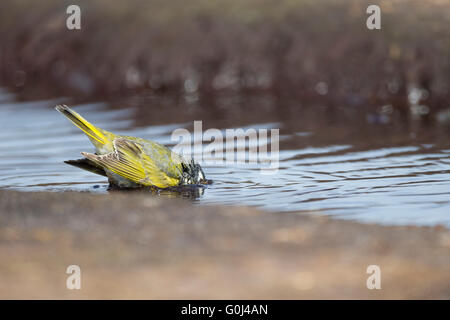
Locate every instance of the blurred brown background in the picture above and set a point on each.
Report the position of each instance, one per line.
(310, 50)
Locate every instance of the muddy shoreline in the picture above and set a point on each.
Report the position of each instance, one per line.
(141, 246)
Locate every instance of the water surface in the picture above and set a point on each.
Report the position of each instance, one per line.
(338, 162)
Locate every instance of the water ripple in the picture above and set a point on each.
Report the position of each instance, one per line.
(396, 185)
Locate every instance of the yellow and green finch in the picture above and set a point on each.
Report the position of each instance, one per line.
(132, 162)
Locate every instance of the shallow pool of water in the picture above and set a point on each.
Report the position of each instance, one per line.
(331, 162)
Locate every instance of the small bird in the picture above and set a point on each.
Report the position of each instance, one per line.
(131, 162)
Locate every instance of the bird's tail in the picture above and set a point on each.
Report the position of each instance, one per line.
(95, 134)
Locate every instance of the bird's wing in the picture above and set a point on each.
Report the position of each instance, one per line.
(167, 161)
(131, 162)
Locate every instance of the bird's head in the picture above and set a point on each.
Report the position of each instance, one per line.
(193, 174)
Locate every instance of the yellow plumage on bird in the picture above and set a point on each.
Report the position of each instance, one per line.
(130, 161)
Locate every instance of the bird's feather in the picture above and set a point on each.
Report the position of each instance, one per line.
(130, 161)
(87, 165)
(99, 138)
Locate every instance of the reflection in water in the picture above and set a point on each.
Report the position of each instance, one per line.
(330, 163)
(192, 192)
